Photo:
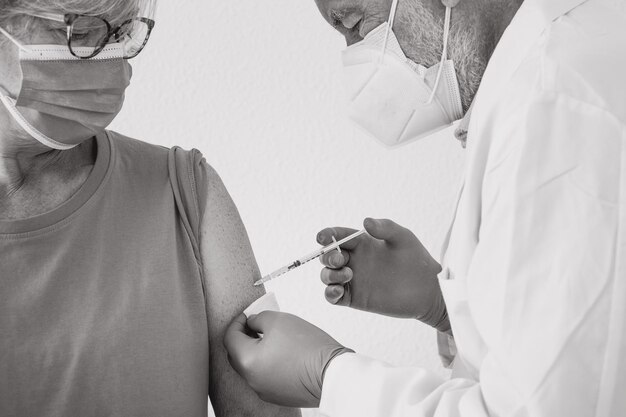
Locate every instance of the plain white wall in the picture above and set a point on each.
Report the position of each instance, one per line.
(256, 86)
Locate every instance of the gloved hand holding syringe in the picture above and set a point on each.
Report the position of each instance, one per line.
(336, 245)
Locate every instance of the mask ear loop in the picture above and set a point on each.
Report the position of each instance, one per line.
(15, 41)
(392, 18)
(444, 53)
(9, 103)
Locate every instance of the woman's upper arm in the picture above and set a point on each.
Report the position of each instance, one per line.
(230, 270)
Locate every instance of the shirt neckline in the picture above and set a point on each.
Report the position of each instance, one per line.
(95, 179)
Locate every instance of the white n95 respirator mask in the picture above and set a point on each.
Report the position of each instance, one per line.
(393, 99)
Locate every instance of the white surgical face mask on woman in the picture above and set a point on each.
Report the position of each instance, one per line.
(60, 90)
(393, 99)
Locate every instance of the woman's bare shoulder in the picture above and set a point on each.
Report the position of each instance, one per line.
(230, 270)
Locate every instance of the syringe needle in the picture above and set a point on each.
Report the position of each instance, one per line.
(308, 258)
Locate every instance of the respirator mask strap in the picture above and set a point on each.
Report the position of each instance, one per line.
(444, 53)
(392, 18)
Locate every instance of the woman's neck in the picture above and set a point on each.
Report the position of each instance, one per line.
(35, 179)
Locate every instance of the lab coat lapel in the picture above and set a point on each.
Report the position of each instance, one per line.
(529, 23)
(531, 20)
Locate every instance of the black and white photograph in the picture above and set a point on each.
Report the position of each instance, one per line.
(313, 208)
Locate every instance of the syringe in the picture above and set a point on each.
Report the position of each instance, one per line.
(308, 258)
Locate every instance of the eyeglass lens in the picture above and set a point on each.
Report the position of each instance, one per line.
(90, 34)
(133, 35)
(87, 33)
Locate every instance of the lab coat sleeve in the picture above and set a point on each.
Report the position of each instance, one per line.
(542, 289)
(355, 385)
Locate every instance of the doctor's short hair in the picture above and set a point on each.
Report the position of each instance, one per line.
(115, 11)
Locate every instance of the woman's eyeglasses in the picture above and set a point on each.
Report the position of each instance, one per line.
(88, 35)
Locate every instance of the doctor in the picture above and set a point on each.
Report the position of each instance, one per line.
(530, 303)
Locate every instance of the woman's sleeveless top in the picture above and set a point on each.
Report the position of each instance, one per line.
(102, 305)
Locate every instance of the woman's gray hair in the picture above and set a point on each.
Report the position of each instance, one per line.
(114, 10)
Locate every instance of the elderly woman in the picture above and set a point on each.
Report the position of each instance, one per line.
(121, 263)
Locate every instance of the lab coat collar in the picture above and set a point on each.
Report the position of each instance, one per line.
(530, 21)
(553, 9)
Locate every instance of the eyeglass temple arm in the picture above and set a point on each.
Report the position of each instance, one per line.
(50, 16)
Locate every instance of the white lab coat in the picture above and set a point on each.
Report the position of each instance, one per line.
(535, 269)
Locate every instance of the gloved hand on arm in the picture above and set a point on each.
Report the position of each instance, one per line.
(286, 365)
(386, 271)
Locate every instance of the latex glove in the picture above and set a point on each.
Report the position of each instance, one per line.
(386, 271)
(286, 366)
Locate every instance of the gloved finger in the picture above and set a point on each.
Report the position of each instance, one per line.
(387, 230)
(262, 322)
(338, 295)
(336, 276)
(335, 260)
(238, 344)
(325, 237)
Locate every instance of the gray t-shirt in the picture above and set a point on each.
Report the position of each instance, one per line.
(102, 306)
